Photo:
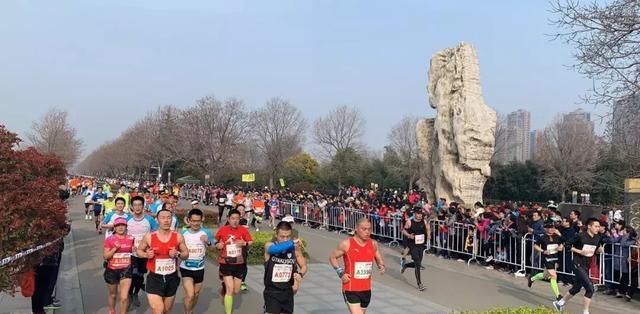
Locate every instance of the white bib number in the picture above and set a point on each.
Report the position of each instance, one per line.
(233, 250)
(281, 272)
(363, 270)
(121, 259)
(552, 248)
(588, 250)
(165, 266)
(196, 251)
(419, 238)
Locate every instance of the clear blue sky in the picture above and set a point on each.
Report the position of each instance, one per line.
(108, 62)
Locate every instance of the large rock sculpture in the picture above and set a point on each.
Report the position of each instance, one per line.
(458, 143)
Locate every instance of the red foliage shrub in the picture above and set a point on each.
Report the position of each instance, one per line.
(31, 212)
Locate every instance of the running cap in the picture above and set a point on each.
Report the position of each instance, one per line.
(120, 221)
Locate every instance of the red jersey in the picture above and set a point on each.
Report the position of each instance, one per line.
(358, 263)
(232, 253)
(161, 263)
(122, 257)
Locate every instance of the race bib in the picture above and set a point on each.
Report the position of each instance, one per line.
(419, 238)
(552, 248)
(233, 250)
(363, 270)
(281, 272)
(165, 266)
(221, 200)
(196, 252)
(588, 250)
(121, 260)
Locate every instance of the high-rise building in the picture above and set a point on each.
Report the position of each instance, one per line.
(518, 137)
(579, 117)
(533, 138)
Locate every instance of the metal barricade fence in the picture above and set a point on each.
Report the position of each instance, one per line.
(464, 240)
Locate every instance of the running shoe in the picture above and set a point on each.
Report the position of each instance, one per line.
(421, 287)
(489, 259)
(243, 287)
(557, 306)
(52, 306)
(135, 300)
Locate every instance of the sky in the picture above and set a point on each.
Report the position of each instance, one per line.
(109, 62)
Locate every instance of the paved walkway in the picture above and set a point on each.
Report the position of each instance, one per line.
(450, 285)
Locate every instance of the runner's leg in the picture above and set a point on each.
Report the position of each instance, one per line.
(156, 303)
(111, 298)
(189, 299)
(123, 288)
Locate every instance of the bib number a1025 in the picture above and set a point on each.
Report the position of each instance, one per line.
(165, 266)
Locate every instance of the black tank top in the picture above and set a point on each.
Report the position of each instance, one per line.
(417, 229)
(279, 270)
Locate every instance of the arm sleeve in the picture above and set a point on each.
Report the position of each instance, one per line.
(210, 236)
(277, 248)
(107, 218)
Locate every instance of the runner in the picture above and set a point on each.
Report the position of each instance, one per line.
(359, 253)
(549, 245)
(117, 253)
(110, 218)
(138, 225)
(88, 205)
(245, 250)
(584, 245)
(162, 248)
(258, 207)
(284, 269)
(418, 232)
(231, 239)
(197, 240)
(222, 199)
(273, 210)
(97, 200)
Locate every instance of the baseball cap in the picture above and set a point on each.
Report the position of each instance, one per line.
(194, 203)
(120, 221)
(109, 194)
(549, 224)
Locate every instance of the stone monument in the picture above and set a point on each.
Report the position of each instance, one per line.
(456, 145)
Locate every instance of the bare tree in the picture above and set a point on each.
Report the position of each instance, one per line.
(213, 133)
(53, 134)
(342, 128)
(501, 150)
(606, 39)
(404, 142)
(279, 129)
(568, 153)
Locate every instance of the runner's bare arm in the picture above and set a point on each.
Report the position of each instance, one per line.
(184, 250)
(302, 261)
(266, 249)
(341, 250)
(378, 258)
(144, 244)
(427, 229)
(107, 253)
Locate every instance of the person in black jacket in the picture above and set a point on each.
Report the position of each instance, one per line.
(584, 246)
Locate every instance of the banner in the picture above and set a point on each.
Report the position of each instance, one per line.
(249, 177)
(281, 182)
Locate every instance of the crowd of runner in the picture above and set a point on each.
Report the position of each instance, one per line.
(142, 234)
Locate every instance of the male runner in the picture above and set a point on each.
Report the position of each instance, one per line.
(418, 232)
(359, 253)
(109, 219)
(231, 239)
(284, 269)
(97, 200)
(549, 245)
(197, 240)
(138, 225)
(584, 246)
(162, 248)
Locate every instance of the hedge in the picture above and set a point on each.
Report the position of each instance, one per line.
(256, 251)
(515, 310)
